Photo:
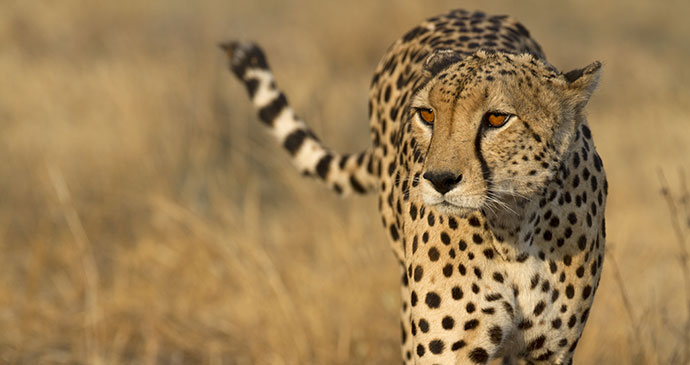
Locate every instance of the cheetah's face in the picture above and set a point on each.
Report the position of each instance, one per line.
(496, 128)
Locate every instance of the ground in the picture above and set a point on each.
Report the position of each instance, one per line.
(146, 216)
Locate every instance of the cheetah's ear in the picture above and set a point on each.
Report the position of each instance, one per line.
(582, 82)
(438, 60)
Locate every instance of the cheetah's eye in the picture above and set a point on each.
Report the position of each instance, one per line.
(427, 115)
(495, 119)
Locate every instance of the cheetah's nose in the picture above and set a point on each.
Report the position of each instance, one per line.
(443, 181)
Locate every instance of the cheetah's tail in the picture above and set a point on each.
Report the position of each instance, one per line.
(342, 173)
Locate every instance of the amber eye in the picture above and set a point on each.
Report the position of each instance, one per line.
(496, 120)
(427, 115)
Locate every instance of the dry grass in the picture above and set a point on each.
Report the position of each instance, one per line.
(146, 218)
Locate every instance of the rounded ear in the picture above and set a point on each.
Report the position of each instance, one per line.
(438, 60)
(580, 83)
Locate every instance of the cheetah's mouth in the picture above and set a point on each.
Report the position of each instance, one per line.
(455, 202)
(449, 208)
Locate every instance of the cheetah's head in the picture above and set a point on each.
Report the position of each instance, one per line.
(495, 127)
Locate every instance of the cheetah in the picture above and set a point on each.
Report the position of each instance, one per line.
(488, 182)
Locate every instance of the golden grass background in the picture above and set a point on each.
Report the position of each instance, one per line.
(145, 216)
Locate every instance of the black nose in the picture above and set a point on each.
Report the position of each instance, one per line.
(443, 181)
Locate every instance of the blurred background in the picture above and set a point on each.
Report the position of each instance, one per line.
(145, 216)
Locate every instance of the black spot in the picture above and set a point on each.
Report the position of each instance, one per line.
(586, 292)
(582, 242)
(536, 344)
(597, 162)
(496, 335)
(552, 266)
(448, 322)
(434, 254)
(356, 186)
(545, 286)
(580, 272)
(462, 269)
(569, 291)
(394, 116)
(423, 325)
(556, 323)
(444, 236)
(471, 324)
(413, 211)
(572, 321)
(474, 222)
(433, 300)
(436, 346)
(268, 113)
(477, 239)
(576, 181)
(393, 232)
(554, 222)
(525, 324)
(403, 332)
(252, 85)
(470, 307)
(294, 141)
(534, 281)
(572, 218)
(391, 168)
(387, 93)
(585, 314)
(547, 235)
(458, 345)
(413, 298)
(420, 350)
(431, 219)
(576, 159)
(508, 308)
(418, 273)
(462, 245)
(448, 270)
(539, 308)
(456, 292)
(452, 223)
(498, 277)
(479, 355)
(586, 132)
(493, 297)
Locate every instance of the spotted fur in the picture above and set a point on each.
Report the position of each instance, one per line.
(499, 230)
